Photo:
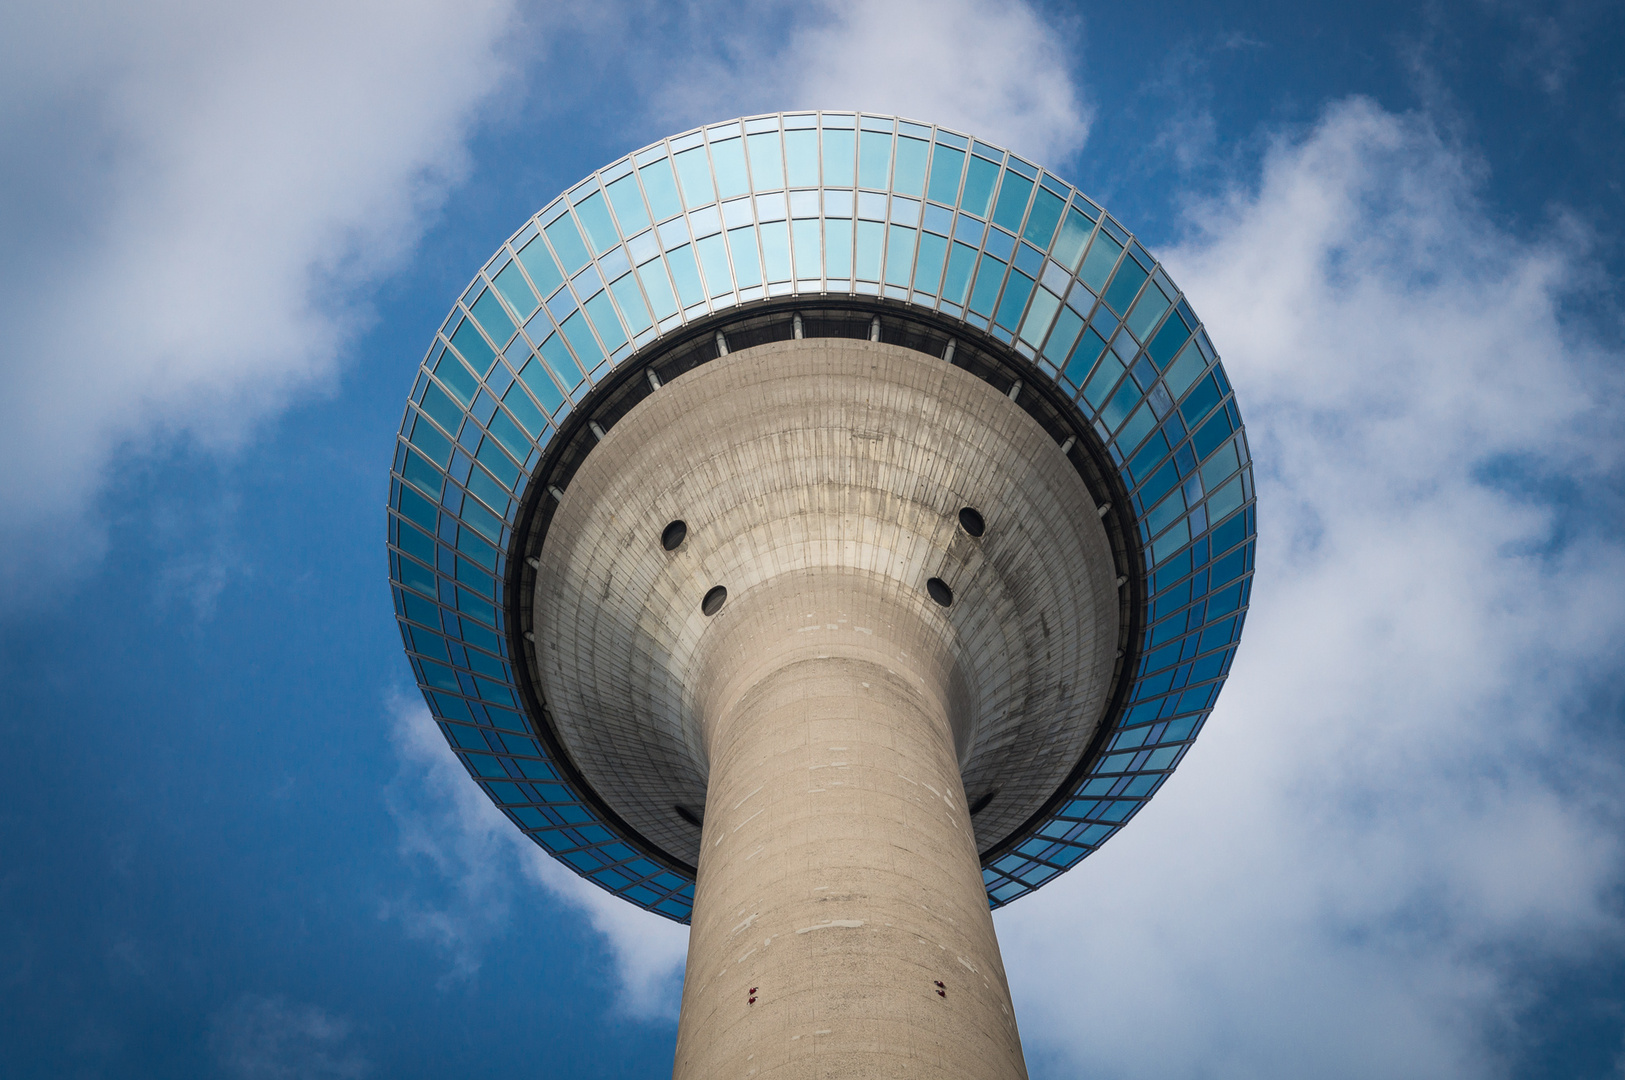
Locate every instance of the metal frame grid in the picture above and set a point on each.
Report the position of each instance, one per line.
(815, 204)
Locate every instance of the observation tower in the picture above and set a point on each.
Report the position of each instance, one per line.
(822, 529)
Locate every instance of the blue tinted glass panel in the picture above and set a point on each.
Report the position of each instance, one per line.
(695, 173)
(493, 318)
(728, 157)
(766, 163)
(1046, 212)
(979, 180)
(838, 248)
(874, 160)
(1102, 257)
(747, 268)
(595, 219)
(899, 255)
(801, 158)
(928, 275)
(714, 262)
(658, 286)
(661, 187)
(871, 238)
(627, 202)
(809, 255)
(908, 172)
(1012, 204)
(604, 321)
(514, 289)
(776, 251)
(839, 163)
(956, 279)
(540, 265)
(989, 274)
(630, 301)
(1074, 235)
(946, 166)
(566, 241)
(686, 273)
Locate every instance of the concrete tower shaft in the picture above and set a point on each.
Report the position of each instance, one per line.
(827, 720)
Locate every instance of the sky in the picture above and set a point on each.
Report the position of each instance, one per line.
(232, 843)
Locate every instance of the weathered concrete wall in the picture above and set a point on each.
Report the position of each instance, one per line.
(840, 926)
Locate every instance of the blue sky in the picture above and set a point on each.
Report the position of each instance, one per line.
(232, 846)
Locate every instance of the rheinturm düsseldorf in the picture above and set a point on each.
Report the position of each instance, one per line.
(823, 529)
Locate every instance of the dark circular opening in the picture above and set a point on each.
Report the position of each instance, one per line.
(936, 587)
(972, 522)
(672, 535)
(713, 600)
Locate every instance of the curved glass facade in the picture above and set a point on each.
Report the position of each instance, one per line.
(815, 204)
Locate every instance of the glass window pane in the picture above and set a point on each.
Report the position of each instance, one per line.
(809, 256)
(1120, 293)
(747, 268)
(928, 276)
(871, 238)
(474, 349)
(1103, 380)
(605, 322)
(695, 173)
(582, 343)
(566, 241)
(558, 359)
(630, 301)
(839, 163)
(1014, 299)
(776, 251)
(714, 262)
(658, 286)
(686, 273)
(1046, 212)
(766, 166)
(838, 246)
(1147, 312)
(535, 376)
(899, 255)
(627, 201)
(1012, 204)
(514, 289)
(1103, 255)
(1067, 327)
(956, 280)
(595, 219)
(979, 180)
(989, 273)
(541, 266)
(1045, 305)
(661, 187)
(908, 176)
(528, 415)
(801, 157)
(1069, 245)
(493, 318)
(728, 156)
(946, 165)
(874, 159)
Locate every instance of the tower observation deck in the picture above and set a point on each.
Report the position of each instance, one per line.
(823, 529)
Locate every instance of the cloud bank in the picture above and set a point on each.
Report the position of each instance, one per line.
(996, 68)
(211, 191)
(1411, 784)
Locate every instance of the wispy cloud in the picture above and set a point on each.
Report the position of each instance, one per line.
(1412, 783)
(260, 1038)
(210, 192)
(480, 860)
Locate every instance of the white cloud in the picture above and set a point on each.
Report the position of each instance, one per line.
(1400, 795)
(446, 819)
(259, 1038)
(995, 68)
(210, 191)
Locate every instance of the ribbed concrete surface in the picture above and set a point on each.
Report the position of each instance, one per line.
(824, 457)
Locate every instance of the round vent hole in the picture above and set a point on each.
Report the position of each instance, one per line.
(936, 587)
(714, 600)
(972, 522)
(671, 537)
